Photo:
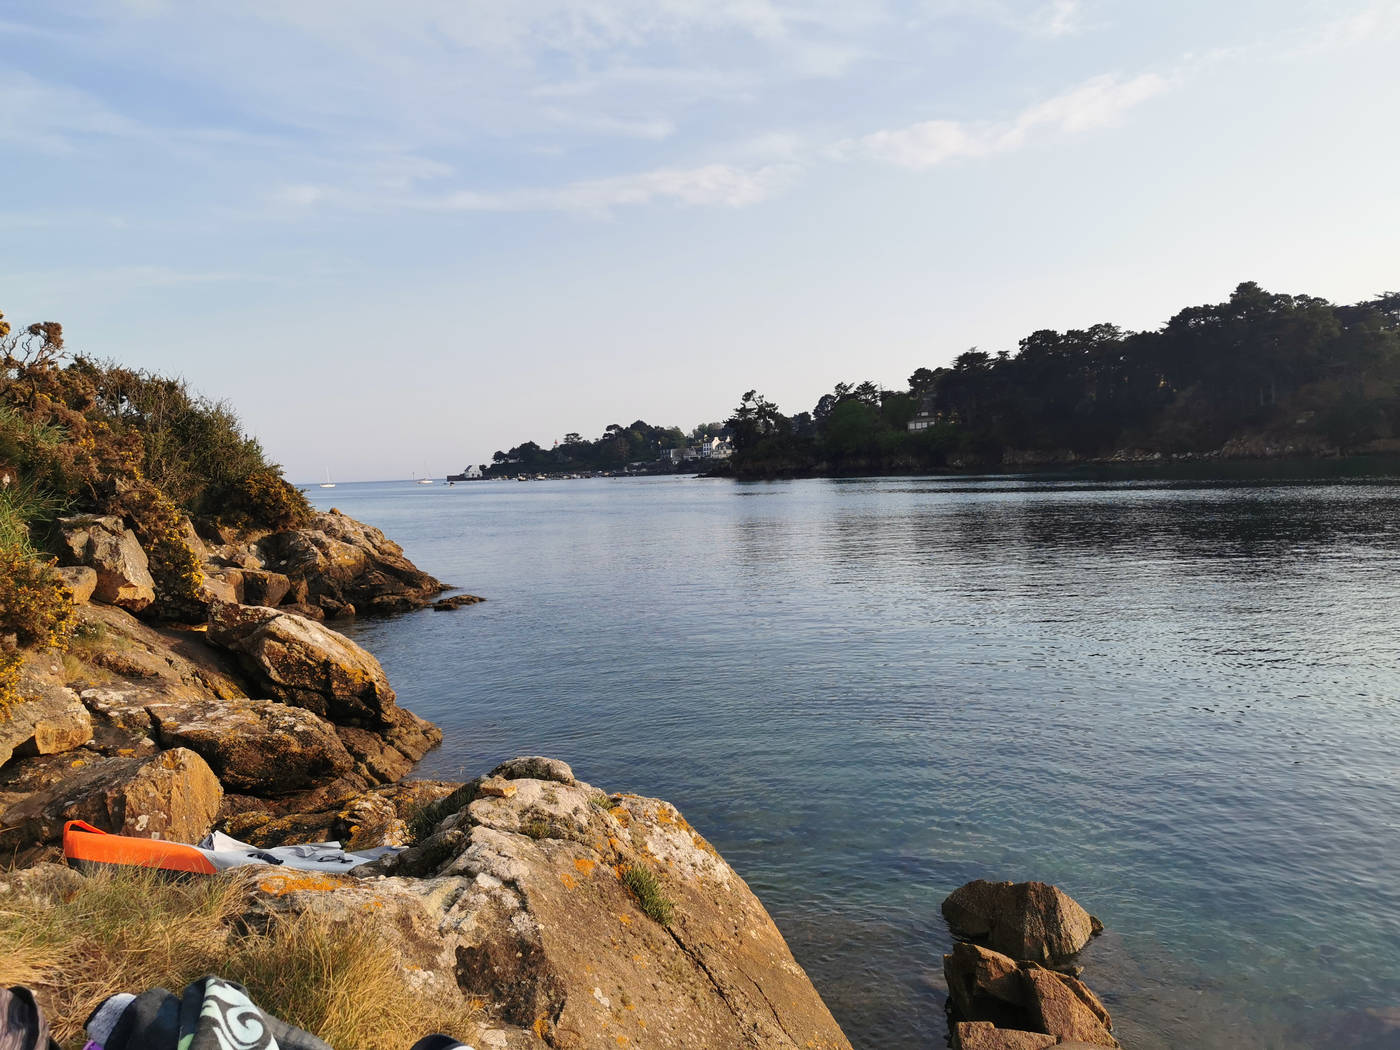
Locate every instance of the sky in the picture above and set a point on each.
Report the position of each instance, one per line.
(397, 237)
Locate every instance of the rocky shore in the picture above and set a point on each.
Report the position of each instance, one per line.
(572, 916)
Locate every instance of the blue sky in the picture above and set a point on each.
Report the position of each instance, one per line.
(398, 235)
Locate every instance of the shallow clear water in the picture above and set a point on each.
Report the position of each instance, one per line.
(1178, 701)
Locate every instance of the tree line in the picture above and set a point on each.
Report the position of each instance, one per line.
(616, 448)
(1259, 374)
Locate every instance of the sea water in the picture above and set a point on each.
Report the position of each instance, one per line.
(1177, 700)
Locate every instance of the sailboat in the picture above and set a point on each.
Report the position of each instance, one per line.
(427, 478)
(328, 483)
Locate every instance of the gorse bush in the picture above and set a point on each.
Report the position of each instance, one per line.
(262, 499)
(80, 430)
(174, 566)
(36, 609)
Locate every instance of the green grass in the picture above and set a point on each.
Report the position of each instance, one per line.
(425, 818)
(536, 828)
(645, 886)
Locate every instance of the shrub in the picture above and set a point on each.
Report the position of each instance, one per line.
(262, 499)
(35, 609)
(174, 567)
(644, 885)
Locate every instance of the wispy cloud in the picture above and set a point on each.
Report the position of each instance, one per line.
(1098, 102)
(713, 185)
(1036, 18)
(52, 118)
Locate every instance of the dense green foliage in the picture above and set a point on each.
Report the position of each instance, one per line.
(77, 435)
(613, 450)
(1261, 373)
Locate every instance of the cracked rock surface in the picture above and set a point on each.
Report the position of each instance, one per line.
(520, 898)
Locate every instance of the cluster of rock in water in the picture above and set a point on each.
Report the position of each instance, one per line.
(1011, 983)
(265, 723)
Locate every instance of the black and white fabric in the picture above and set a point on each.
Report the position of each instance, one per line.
(211, 1014)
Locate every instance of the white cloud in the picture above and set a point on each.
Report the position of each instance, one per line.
(1059, 18)
(653, 129)
(1099, 102)
(713, 185)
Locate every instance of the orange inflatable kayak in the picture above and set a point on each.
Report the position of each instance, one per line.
(85, 846)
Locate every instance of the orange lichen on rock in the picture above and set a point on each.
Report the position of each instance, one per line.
(567, 880)
(278, 885)
(584, 865)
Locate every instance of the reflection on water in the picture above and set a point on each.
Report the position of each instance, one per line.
(1178, 700)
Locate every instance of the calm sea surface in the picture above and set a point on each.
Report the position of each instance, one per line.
(1180, 701)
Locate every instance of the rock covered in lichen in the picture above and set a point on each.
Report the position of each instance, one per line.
(524, 899)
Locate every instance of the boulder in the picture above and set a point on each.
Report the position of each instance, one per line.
(261, 587)
(80, 580)
(190, 536)
(48, 718)
(105, 545)
(524, 900)
(114, 642)
(1064, 1007)
(1025, 920)
(983, 1035)
(257, 747)
(455, 602)
(173, 795)
(349, 566)
(307, 664)
(221, 586)
(985, 985)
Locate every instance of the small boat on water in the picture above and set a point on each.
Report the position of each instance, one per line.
(328, 483)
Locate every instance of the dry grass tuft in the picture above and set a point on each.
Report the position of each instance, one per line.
(129, 931)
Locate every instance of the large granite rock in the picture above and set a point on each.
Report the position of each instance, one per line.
(48, 719)
(112, 643)
(305, 663)
(984, 985)
(1065, 1008)
(255, 747)
(265, 588)
(105, 545)
(522, 898)
(349, 565)
(1026, 920)
(173, 795)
